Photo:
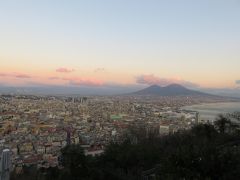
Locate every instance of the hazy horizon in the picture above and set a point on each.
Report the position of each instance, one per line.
(39, 89)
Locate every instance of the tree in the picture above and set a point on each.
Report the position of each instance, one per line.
(222, 123)
(75, 162)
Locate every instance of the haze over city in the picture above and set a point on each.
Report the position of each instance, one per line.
(121, 43)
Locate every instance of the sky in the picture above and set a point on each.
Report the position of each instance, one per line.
(120, 43)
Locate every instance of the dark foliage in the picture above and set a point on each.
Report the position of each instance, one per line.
(203, 152)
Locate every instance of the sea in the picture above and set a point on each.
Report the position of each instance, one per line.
(210, 111)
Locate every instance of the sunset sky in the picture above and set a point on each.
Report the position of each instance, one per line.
(120, 42)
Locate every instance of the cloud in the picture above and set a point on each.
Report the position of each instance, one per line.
(23, 76)
(99, 70)
(3, 74)
(64, 70)
(85, 82)
(237, 82)
(16, 75)
(152, 79)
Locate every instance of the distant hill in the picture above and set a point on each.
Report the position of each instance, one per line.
(170, 90)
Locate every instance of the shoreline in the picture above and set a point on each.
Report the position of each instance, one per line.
(210, 112)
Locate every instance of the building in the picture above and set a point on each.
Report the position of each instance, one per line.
(5, 165)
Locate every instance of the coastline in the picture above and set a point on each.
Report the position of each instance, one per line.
(209, 111)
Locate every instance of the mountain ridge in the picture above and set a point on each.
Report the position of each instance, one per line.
(170, 90)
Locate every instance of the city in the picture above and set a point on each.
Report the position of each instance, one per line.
(36, 128)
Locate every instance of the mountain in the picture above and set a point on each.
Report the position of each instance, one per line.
(170, 90)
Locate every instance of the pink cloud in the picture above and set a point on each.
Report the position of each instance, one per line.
(64, 70)
(15, 75)
(3, 74)
(80, 81)
(152, 80)
(77, 81)
(85, 82)
(23, 76)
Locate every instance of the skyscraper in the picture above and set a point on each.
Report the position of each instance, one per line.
(5, 165)
(197, 117)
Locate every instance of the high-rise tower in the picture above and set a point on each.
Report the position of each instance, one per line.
(5, 165)
(197, 118)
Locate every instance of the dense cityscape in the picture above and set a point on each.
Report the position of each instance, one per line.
(36, 128)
